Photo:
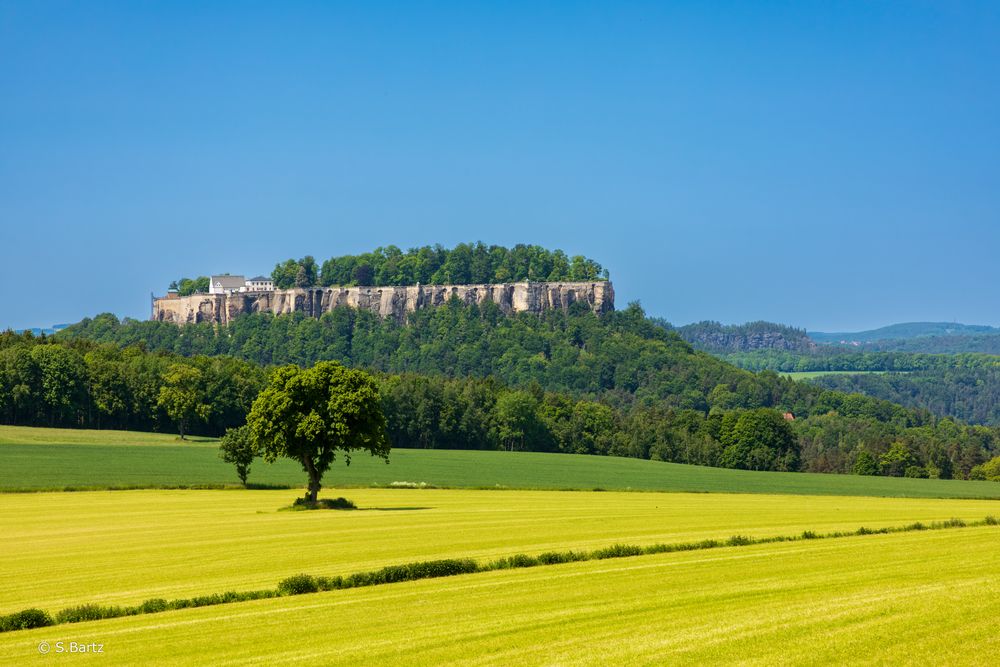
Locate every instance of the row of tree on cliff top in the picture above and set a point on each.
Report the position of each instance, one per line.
(465, 264)
(630, 387)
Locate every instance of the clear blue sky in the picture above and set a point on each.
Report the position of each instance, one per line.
(830, 165)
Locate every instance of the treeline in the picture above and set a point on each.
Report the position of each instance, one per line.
(92, 385)
(963, 386)
(466, 263)
(84, 384)
(957, 344)
(969, 394)
(612, 384)
(836, 359)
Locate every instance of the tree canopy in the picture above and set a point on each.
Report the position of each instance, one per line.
(466, 263)
(311, 415)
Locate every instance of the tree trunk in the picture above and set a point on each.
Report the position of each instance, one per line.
(314, 476)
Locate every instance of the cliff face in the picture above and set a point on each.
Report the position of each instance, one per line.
(393, 302)
(761, 340)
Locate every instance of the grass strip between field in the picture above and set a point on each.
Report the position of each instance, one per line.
(304, 583)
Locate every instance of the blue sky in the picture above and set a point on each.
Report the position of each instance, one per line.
(829, 165)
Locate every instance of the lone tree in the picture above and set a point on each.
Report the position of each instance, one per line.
(181, 396)
(309, 415)
(236, 448)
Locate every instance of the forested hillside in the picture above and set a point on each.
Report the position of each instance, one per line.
(982, 344)
(969, 394)
(459, 376)
(964, 386)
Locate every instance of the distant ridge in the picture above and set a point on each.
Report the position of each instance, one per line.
(904, 331)
(38, 331)
(719, 338)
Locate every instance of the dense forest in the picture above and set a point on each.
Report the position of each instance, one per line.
(466, 263)
(964, 386)
(969, 394)
(982, 344)
(837, 359)
(468, 377)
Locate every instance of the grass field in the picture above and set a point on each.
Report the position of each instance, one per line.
(122, 547)
(901, 598)
(915, 598)
(59, 458)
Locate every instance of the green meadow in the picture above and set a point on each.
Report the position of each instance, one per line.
(57, 459)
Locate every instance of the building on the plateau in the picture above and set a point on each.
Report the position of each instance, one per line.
(259, 284)
(227, 284)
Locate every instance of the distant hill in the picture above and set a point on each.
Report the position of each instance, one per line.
(38, 331)
(956, 344)
(904, 331)
(718, 338)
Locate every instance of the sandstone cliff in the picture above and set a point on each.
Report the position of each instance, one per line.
(720, 339)
(393, 302)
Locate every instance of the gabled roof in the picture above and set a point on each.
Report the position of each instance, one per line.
(228, 281)
(260, 279)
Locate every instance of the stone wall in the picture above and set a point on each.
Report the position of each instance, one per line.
(393, 302)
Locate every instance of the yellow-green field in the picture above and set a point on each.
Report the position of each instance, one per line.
(915, 598)
(122, 547)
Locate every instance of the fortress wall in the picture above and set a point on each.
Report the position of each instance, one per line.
(393, 302)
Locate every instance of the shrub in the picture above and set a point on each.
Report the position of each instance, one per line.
(411, 571)
(617, 551)
(991, 520)
(918, 472)
(554, 557)
(324, 504)
(90, 612)
(511, 562)
(330, 583)
(153, 606)
(25, 620)
(298, 585)
(739, 541)
(809, 535)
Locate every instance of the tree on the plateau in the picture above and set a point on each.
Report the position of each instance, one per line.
(181, 396)
(310, 415)
(236, 448)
